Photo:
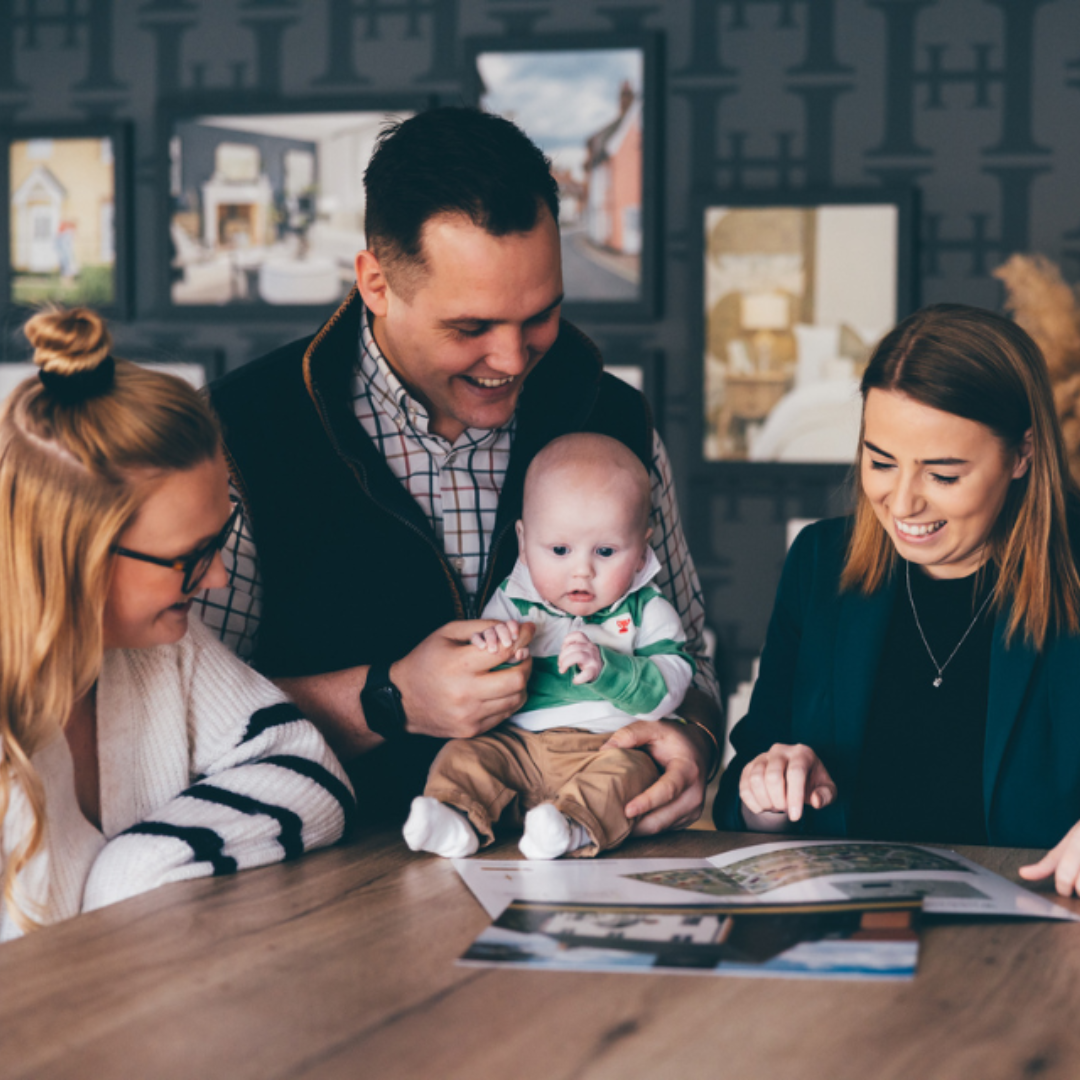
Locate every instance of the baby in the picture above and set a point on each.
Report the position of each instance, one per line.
(608, 650)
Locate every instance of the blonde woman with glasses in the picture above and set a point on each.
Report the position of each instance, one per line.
(135, 750)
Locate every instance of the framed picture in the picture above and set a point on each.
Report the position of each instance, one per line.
(796, 290)
(198, 365)
(643, 369)
(66, 210)
(591, 103)
(264, 209)
(644, 372)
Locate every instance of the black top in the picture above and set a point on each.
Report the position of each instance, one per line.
(920, 775)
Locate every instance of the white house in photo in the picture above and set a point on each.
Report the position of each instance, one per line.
(37, 205)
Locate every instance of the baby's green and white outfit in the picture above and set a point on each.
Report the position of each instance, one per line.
(550, 750)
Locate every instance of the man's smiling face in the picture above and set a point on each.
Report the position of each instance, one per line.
(481, 314)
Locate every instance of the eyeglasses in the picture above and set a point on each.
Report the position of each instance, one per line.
(195, 564)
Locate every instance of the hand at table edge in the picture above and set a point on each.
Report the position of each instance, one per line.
(1063, 861)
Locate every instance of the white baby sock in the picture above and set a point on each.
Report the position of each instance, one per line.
(549, 834)
(433, 826)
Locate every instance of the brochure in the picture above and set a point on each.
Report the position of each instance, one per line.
(825, 940)
(789, 872)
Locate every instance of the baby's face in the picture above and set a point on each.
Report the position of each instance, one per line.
(582, 545)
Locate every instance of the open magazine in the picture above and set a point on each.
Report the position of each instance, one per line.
(787, 872)
(803, 908)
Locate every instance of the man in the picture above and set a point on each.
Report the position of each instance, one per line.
(381, 462)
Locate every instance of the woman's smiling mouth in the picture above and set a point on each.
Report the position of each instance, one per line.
(917, 529)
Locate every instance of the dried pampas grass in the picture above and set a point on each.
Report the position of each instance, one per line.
(1048, 308)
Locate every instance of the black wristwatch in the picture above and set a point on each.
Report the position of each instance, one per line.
(381, 701)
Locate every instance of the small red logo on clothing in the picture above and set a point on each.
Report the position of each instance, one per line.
(623, 625)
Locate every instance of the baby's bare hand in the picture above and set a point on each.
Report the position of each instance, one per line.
(498, 637)
(578, 651)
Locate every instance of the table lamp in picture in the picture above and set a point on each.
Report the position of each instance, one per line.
(764, 315)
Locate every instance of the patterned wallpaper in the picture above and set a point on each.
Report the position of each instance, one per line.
(975, 102)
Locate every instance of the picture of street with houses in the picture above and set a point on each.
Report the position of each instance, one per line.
(584, 109)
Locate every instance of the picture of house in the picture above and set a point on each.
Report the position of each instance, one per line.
(583, 108)
(62, 194)
(613, 179)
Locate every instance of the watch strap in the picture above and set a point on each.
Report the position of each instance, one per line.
(380, 699)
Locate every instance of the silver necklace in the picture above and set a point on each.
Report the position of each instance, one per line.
(918, 626)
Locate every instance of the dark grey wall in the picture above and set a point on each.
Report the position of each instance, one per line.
(973, 101)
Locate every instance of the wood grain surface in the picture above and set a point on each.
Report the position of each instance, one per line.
(341, 965)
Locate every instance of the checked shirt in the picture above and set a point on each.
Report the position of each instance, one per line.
(457, 486)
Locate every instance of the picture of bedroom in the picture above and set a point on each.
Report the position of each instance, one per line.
(796, 295)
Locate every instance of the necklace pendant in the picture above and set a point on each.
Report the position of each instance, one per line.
(937, 681)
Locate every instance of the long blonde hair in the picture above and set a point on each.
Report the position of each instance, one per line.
(978, 365)
(76, 447)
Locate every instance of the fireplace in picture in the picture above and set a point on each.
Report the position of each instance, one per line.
(236, 215)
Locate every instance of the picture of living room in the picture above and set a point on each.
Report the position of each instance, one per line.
(61, 201)
(268, 209)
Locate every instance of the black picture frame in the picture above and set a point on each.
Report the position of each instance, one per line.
(210, 359)
(202, 273)
(643, 370)
(744, 274)
(61, 220)
(596, 274)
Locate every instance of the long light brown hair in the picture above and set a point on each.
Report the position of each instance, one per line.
(979, 365)
(79, 448)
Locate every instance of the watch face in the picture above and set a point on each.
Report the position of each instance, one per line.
(385, 717)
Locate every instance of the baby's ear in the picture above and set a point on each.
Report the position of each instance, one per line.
(519, 528)
(645, 549)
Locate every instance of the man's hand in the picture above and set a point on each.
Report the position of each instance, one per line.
(683, 752)
(1062, 861)
(448, 686)
(578, 651)
(783, 780)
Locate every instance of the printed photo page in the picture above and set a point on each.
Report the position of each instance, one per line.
(822, 941)
(787, 872)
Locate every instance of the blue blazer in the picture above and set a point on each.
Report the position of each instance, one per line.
(816, 680)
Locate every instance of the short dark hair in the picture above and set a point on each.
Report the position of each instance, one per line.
(450, 160)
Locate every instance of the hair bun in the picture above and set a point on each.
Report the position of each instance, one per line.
(71, 349)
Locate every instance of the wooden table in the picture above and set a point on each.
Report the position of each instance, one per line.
(342, 965)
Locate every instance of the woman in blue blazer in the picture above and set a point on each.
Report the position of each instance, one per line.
(921, 673)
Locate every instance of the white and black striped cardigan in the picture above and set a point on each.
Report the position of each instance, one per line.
(205, 769)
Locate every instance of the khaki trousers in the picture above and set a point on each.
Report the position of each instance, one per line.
(510, 767)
